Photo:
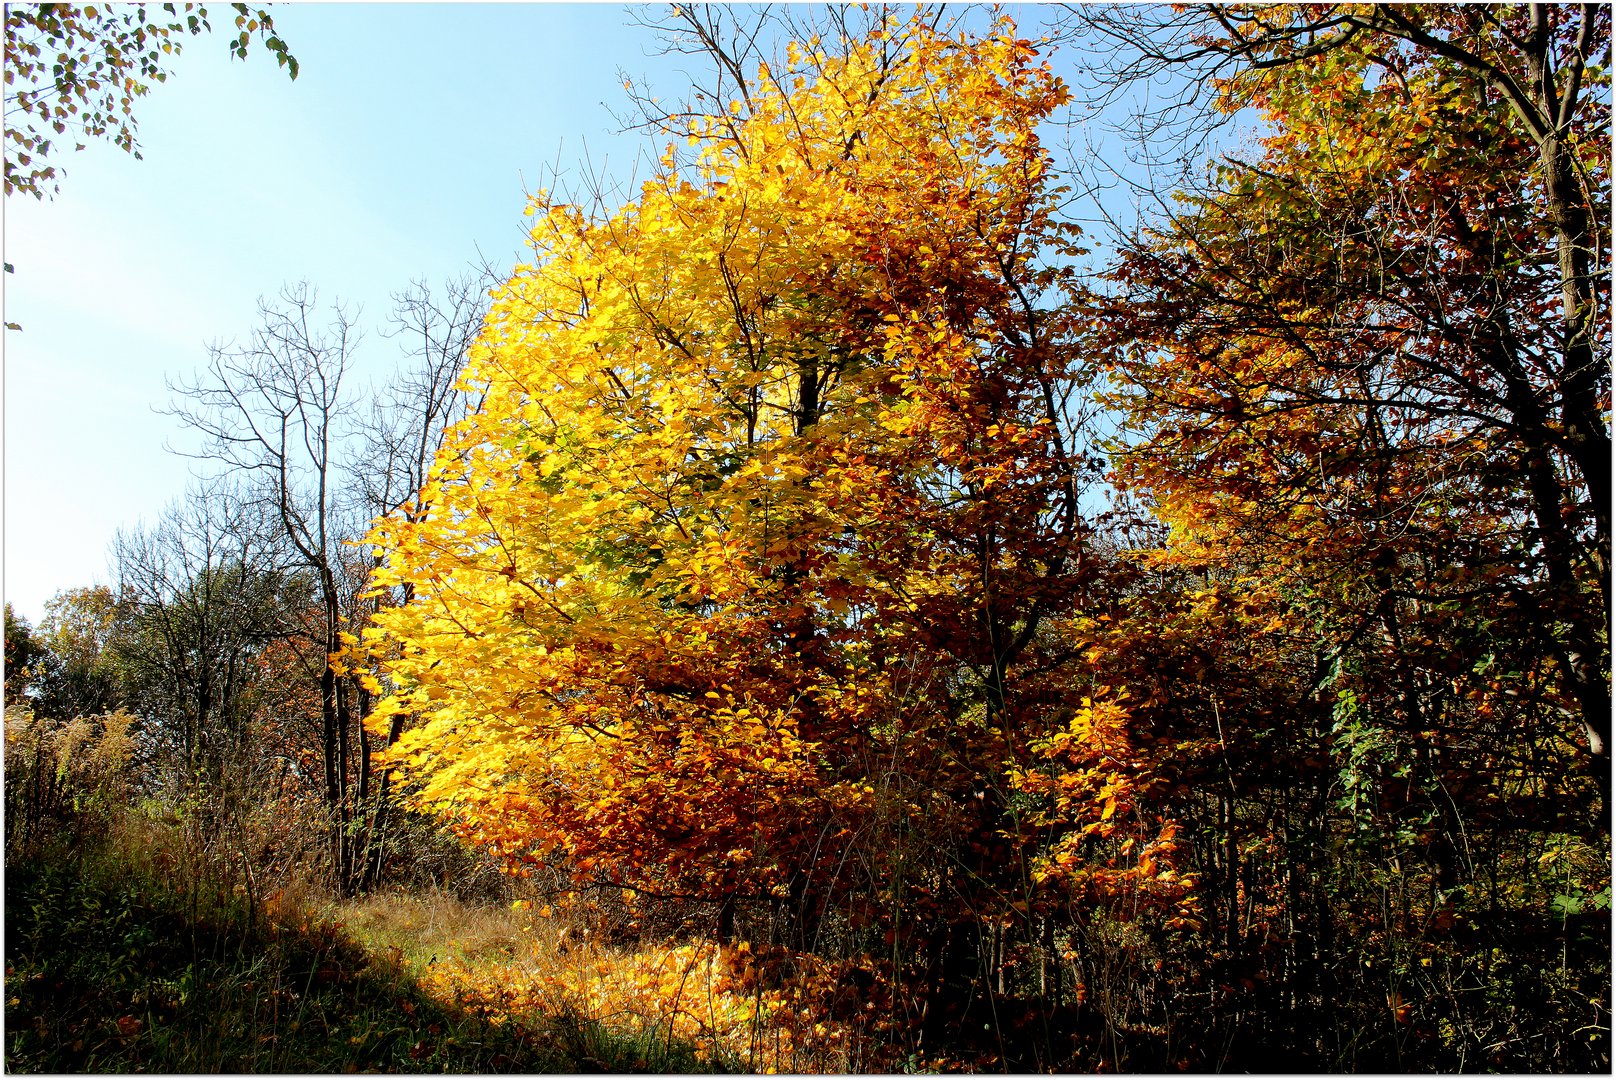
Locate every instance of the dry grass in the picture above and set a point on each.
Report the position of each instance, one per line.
(530, 960)
(567, 976)
(432, 925)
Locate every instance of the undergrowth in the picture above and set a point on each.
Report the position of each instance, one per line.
(683, 1002)
(111, 968)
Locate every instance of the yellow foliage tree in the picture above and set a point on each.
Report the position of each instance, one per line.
(734, 586)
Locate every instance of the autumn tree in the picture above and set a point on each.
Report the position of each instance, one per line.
(737, 587)
(63, 689)
(1369, 417)
(73, 670)
(74, 72)
(23, 655)
(1384, 321)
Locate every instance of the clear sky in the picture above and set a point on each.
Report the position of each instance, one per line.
(407, 145)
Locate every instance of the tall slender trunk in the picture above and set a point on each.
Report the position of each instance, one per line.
(334, 739)
(1582, 375)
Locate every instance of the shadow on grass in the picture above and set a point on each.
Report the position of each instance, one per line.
(109, 970)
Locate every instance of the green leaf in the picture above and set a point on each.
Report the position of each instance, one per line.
(1564, 905)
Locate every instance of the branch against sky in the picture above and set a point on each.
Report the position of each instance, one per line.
(75, 71)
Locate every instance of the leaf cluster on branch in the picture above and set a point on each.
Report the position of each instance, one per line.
(73, 72)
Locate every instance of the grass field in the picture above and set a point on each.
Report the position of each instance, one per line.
(110, 968)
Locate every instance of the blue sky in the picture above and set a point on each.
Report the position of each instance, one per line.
(407, 145)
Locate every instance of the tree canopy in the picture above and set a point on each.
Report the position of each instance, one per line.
(780, 565)
(776, 475)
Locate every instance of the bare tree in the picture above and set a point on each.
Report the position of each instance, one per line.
(400, 441)
(275, 411)
(197, 596)
(203, 613)
(281, 412)
(400, 438)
